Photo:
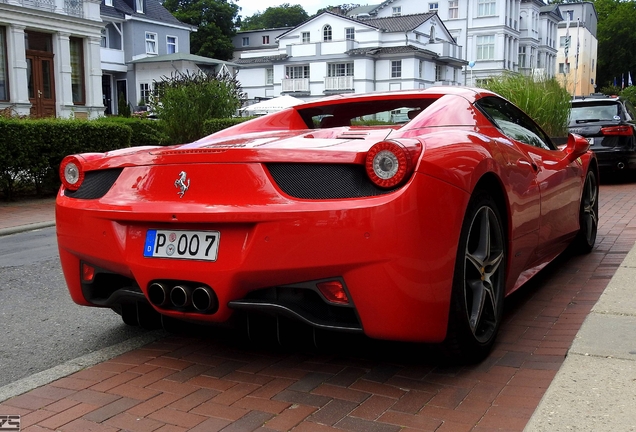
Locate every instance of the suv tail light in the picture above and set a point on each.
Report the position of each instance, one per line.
(617, 130)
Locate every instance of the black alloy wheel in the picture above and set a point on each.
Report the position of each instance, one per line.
(478, 285)
(588, 215)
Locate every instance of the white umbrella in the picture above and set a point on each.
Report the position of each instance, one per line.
(273, 105)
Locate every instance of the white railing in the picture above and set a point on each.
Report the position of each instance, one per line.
(295, 84)
(339, 83)
(69, 7)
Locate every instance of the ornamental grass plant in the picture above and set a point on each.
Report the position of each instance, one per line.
(542, 99)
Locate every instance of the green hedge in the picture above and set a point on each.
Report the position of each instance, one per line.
(216, 124)
(144, 131)
(31, 150)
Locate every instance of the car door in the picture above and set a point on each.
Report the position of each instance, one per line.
(557, 180)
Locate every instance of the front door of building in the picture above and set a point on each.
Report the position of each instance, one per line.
(39, 57)
(41, 83)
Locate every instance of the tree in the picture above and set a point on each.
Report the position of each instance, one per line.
(274, 17)
(216, 22)
(616, 40)
(183, 102)
(341, 9)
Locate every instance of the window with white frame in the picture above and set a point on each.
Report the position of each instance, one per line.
(432, 7)
(108, 2)
(569, 14)
(145, 90)
(486, 47)
(453, 9)
(269, 76)
(564, 68)
(421, 69)
(327, 33)
(171, 44)
(339, 69)
(486, 7)
(266, 40)
(396, 11)
(4, 63)
(140, 6)
(77, 70)
(396, 69)
(246, 41)
(522, 56)
(350, 33)
(151, 43)
(104, 40)
(439, 72)
(295, 72)
(306, 38)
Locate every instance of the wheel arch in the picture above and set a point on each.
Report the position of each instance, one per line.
(492, 184)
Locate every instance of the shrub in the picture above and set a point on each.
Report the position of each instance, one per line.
(544, 100)
(214, 125)
(123, 109)
(144, 131)
(31, 150)
(185, 101)
(630, 94)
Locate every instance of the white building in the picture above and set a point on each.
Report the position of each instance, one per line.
(332, 54)
(50, 58)
(497, 35)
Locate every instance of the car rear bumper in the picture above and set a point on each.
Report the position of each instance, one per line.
(394, 253)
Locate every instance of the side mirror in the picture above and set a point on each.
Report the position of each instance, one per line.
(576, 147)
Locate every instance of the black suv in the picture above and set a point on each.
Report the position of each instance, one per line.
(608, 124)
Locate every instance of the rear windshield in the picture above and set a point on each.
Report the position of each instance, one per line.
(365, 113)
(595, 112)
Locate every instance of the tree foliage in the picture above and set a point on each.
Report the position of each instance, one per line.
(342, 9)
(616, 40)
(216, 22)
(274, 17)
(183, 102)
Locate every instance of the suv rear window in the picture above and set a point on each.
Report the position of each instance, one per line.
(595, 111)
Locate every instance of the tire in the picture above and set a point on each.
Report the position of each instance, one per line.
(478, 284)
(588, 215)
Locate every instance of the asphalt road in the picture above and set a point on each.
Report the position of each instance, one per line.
(41, 327)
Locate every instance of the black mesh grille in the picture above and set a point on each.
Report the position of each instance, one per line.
(95, 184)
(324, 181)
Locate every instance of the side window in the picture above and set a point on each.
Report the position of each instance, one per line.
(513, 122)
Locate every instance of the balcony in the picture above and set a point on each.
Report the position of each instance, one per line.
(290, 85)
(338, 83)
(112, 59)
(67, 7)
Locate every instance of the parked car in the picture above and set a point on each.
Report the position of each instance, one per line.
(608, 124)
(411, 232)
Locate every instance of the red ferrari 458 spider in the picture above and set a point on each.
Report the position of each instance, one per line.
(410, 227)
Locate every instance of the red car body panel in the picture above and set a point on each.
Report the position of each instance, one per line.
(395, 251)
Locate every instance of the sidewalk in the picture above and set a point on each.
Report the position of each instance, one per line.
(565, 360)
(26, 215)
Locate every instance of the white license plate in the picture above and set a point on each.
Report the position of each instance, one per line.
(590, 140)
(191, 245)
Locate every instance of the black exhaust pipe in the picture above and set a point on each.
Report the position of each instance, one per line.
(158, 294)
(204, 300)
(181, 296)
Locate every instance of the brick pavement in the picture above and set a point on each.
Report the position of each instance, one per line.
(216, 381)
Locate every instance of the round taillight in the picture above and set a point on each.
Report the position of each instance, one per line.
(71, 173)
(388, 164)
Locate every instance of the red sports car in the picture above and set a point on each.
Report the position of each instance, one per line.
(403, 216)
